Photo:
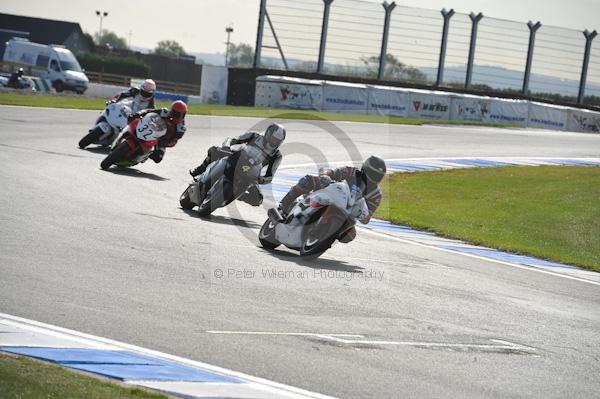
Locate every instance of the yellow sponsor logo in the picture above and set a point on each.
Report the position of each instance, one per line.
(245, 168)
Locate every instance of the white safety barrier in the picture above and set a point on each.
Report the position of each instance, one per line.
(387, 101)
(580, 120)
(282, 92)
(429, 104)
(470, 108)
(285, 92)
(508, 112)
(547, 116)
(342, 97)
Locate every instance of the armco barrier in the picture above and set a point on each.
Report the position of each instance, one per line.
(285, 92)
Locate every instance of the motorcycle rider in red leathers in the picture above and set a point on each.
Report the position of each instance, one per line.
(175, 119)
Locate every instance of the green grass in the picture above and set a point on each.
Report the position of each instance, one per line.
(550, 212)
(79, 102)
(24, 378)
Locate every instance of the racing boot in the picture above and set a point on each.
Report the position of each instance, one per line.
(200, 169)
(287, 202)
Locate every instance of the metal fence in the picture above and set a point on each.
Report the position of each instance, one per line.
(387, 41)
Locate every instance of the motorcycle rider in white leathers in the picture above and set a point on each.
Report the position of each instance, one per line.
(366, 179)
(143, 96)
(264, 149)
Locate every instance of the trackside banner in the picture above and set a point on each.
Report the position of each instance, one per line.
(470, 108)
(387, 101)
(580, 120)
(345, 97)
(545, 116)
(429, 105)
(279, 92)
(508, 112)
(286, 92)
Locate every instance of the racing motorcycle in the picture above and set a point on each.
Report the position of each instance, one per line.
(109, 124)
(22, 83)
(136, 142)
(223, 181)
(315, 221)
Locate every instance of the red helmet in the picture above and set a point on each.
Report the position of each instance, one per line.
(178, 111)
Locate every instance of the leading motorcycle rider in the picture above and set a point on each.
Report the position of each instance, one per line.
(263, 148)
(143, 96)
(366, 179)
(175, 119)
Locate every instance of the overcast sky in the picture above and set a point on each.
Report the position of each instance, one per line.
(199, 25)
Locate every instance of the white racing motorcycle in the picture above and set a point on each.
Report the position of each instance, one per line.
(109, 124)
(316, 220)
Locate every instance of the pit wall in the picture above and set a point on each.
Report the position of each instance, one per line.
(353, 98)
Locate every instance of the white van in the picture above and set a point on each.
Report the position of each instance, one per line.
(52, 62)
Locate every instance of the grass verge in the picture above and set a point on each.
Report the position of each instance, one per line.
(23, 378)
(80, 102)
(550, 212)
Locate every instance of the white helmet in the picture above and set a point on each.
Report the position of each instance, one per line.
(147, 89)
(274, 136)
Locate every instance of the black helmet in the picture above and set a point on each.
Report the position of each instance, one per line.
(274, 136)
(374, 169)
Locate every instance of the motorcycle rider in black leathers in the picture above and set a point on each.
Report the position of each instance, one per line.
(263, 148)
(14, 80)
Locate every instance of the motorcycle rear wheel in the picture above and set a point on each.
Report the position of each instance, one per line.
(115, 155)
(91, 137)
(266, 235)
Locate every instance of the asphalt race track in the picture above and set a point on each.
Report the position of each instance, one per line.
(112, 254)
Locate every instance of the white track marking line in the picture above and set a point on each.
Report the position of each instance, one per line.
(340, 338)
(301, 334)
(268, 385)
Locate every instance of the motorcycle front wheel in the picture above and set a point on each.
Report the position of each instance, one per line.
(266, 235)
(91, 137)
(318, 238)
(214, 199)
(115, 155)
(184, 199)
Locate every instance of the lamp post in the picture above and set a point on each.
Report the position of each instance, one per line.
(228, 29)
(101, 14)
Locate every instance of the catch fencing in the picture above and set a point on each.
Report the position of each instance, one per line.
(391, 42)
